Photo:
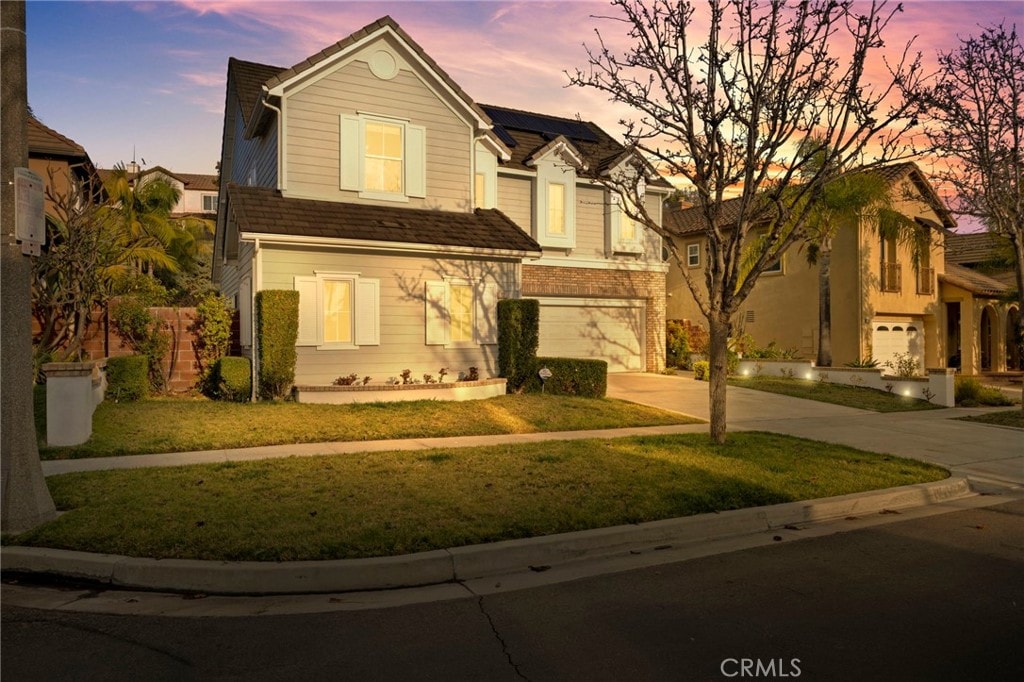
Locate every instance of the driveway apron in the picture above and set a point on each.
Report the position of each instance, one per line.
(979, 451)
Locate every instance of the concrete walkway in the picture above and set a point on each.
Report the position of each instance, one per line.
(978, 451)
(987, 454)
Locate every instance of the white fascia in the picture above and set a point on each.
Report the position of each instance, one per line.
(393, 247)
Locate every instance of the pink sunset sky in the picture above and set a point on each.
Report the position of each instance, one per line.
(148, 77)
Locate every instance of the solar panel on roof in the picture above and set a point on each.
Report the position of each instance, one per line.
(535, 123)
(504, 136)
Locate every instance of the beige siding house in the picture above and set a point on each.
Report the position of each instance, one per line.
(883, 304)
(402, 211)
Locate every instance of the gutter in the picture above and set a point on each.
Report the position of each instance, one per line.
(265, 101)
(372, 245)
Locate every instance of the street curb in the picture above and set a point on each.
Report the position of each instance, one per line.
(462, 563)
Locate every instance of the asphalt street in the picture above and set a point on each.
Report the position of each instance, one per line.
(934, 598)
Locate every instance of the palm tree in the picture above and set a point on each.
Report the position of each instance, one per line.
(141, 211)
(848, 198)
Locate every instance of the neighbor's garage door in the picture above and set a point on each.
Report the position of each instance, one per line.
(602, 330)
(890, 337)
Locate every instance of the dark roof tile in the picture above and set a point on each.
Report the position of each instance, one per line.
(44, 141)
(266, 211)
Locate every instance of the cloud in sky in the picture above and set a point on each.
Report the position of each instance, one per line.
(116, 74)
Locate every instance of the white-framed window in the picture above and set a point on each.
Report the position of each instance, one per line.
(210, 203)
(338, 311)
(693, 255)
(555, 204)
(461, 313)
(485, 178)
(556, 209)
(775, 267)
(625, 233)
(382, 157)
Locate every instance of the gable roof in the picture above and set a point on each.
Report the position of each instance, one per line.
(973, 281)
(249, 78)
(972, 248)
(689, 220)
(529, 134)
(45, 141)
(192, 181)
(265, 211)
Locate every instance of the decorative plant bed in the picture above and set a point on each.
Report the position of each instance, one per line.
(385, 393)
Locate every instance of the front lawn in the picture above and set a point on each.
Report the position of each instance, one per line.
(837, 394)
(389, 503)
(1013, 418)
(182, 424)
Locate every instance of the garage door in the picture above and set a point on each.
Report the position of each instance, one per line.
(602, 330)
(890, 337)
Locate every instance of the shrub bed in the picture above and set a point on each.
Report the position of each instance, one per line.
(127, 378)
(570, 376)
(231, 379)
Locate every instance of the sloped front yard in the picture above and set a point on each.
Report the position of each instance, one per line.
(388, 503)
(181, 425)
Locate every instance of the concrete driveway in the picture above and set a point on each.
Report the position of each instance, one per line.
(978, 451)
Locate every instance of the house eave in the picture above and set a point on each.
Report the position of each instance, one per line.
(384, 246)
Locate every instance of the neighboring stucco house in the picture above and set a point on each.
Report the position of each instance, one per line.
(882, 304)
(57, 158)
(402, 211)
(982, 316)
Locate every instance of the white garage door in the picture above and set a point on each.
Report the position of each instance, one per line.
(601, 330)
(890, 337)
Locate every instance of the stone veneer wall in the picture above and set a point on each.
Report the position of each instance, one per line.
(539, 280)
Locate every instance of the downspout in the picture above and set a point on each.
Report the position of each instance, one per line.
(860, 292)
(280, 136)
(252, 319)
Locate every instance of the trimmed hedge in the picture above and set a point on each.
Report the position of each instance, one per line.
(277, 328)
(570, 376)
(127, 378)
(231, 379)
(701, 370)
(518, 338)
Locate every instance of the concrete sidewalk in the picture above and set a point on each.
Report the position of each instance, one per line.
(978, 451)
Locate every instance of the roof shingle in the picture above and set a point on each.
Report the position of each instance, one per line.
(973, 281)
(266, 211)
(47, 141)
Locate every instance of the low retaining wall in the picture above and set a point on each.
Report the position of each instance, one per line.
(936, 387)
(384, 393)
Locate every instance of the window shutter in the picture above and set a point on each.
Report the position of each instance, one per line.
(415, 161)
(350, 152)
(367, 312)
(437, 313)
(306, 286)
(487, 315)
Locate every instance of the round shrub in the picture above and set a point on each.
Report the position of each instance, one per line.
(127, 378)
(231, 379)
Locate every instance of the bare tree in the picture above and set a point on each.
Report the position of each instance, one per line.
(974, 121)
(726, 109)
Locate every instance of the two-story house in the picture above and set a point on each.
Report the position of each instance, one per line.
(198, 192)
(401, 211)
(883, 303)
(976, 289)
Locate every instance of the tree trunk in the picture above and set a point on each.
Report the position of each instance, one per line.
(718, 357)
(1018, 253)
(824, 308)
(26, 500)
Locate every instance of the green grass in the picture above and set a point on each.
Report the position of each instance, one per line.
(1013, 418)
(389, 503)
(837, 394)
(181, 424)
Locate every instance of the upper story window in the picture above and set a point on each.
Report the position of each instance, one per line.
(625, 232)
(479, 191)
(382, 157)
(556, 209)
(210, 203)
(692, 255)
